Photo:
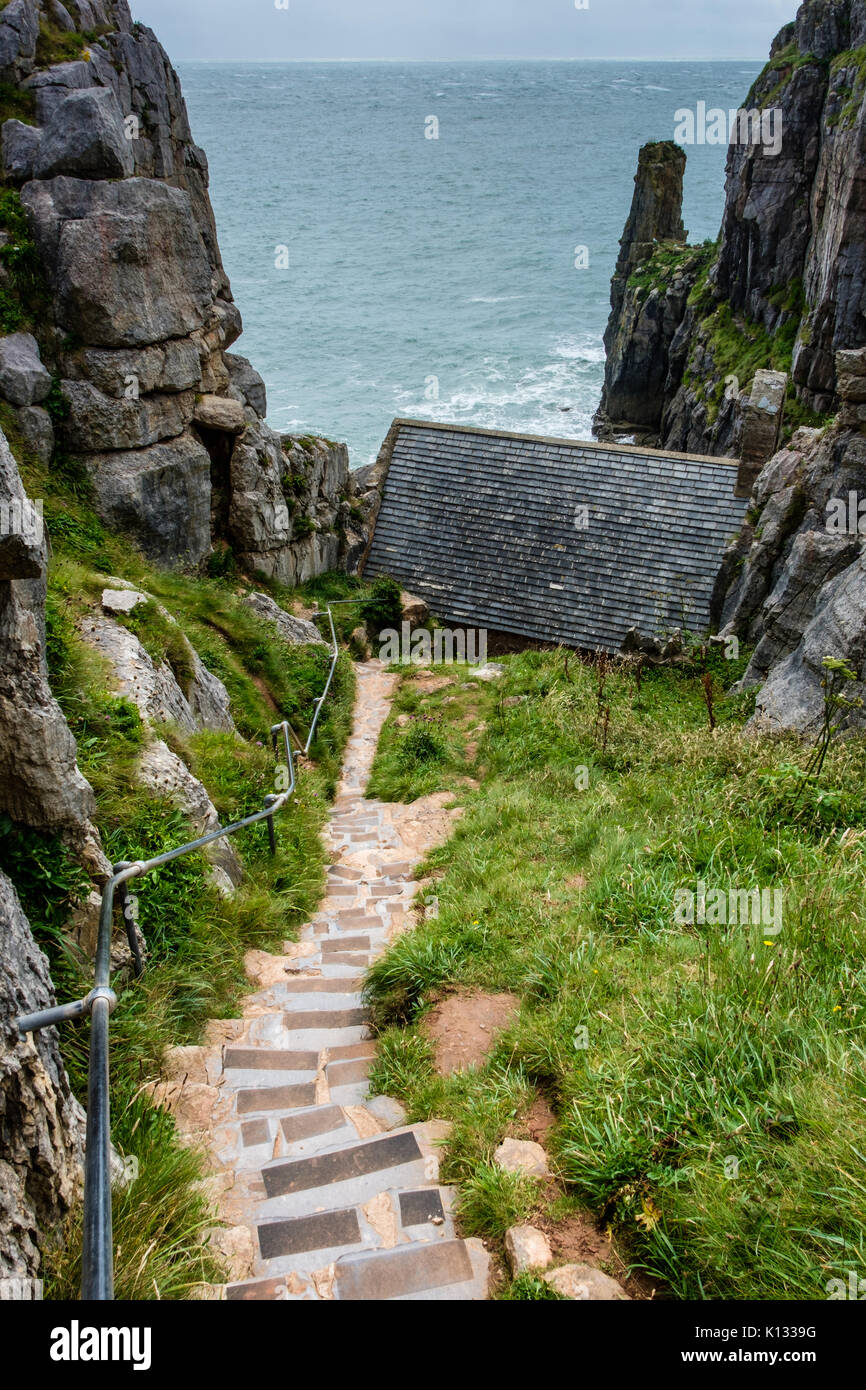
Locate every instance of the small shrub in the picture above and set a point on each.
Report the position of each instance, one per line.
(384, 607)
(422, 742)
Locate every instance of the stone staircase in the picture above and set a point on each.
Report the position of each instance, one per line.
(340, 1197)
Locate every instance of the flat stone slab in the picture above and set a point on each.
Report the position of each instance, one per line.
(323, 1120)
(345, 943)
(321, 1170)
(325, 985)
(326, 1018)
(276, 1098)
(255, 1132)
(346, 1073)
(327, 1230)
(399, 1272)
(257, 1290)
(419, 1208)
(269, 1059)
(353, 1050)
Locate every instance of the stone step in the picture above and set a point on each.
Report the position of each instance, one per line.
(342, 1165)
(322, 984)
(262, 1098)
(313, 1019)
(345, 943)
(414, 1269)
(323, 1231)
(269, 1059)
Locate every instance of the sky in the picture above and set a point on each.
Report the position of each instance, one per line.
(310, 30)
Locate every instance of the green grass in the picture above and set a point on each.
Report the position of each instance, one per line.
(670, 259)
(705, 1044)
(23, 295)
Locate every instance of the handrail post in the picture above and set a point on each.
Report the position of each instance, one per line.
(324, 695)
(130, 921)
(97, 1263)
(272, 836)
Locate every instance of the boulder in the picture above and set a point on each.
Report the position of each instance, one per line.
(220, 413)
(154, 690)
(37, 431)
(169, 367)
(20, 145)
(121, 601)
(85, 136)
(527, 1248)
(585, 1284)
(40, 784)
(97, 422)
(491, 672)
(52, 85)
(61, 16)
(164, 774)
(248, 384)
(209, 699)
(292, 629)
(792, 697)
(522, 1156)
(126, 260)
(19, 33)
(158, 497)
(415, 610)
(23, 379)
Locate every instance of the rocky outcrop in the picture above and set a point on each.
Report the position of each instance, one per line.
(786, 286)
(41, 1124)
(290, 628)
(641, 326)
(166, 775)
(793, 583)
(168, 424)
(154, 689)
(40, 784)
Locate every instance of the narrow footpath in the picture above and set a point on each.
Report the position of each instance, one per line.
(327, 1193)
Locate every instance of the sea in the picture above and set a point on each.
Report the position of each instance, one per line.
(436, 240)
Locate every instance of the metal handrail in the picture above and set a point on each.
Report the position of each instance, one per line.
(97, 1282)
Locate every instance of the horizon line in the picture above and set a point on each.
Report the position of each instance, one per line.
(299, 62)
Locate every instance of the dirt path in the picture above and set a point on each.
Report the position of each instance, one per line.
(326, 1192)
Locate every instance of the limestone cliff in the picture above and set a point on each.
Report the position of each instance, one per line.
(793, 583)
(116, 317)
(138, 311)
(785, 287)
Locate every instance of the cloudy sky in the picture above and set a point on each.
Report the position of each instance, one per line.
(257, 30)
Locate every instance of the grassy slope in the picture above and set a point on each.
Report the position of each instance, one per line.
(197, 939)
(705, 1044)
